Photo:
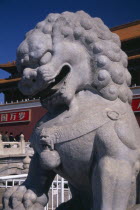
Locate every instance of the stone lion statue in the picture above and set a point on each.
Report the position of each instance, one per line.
(89, 135)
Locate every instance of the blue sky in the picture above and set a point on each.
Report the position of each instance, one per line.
(19, 16)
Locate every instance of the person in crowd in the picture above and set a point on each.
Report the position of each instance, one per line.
(1, 133)
(11, 137)
(18, 137)
(5, 136)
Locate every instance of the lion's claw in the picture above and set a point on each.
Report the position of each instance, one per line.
(23, 198)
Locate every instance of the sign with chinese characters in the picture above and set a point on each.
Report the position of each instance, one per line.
(136, 104)
(15, 116)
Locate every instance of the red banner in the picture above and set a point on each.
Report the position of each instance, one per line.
(136, 104)
(14, 117)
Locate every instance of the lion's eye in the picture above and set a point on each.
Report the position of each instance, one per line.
(46, 58)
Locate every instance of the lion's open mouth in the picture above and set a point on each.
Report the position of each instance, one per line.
(55, 86)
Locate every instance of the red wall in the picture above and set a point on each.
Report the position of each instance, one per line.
(25, 127)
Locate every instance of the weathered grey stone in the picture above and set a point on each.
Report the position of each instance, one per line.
(89, 134)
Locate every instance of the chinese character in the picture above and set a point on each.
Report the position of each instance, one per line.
(138, 106)
(13, 116)
(21, 115)
(4, 117)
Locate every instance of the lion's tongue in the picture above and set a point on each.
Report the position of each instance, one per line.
(58, 85)
(52, 88)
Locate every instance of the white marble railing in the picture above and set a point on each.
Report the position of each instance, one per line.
(59, 191)
(12, 148)
(18, 101)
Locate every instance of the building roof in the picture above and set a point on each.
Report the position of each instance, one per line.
(8, 83)
(10, 67)
(128, 31)
(134, 57)
(5, 81)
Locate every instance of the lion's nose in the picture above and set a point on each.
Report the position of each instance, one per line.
(29, 75)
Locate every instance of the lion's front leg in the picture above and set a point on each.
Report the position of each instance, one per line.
(114, 170)
(111, 184)
(32, 194)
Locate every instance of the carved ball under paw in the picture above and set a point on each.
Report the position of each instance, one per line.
(50, 159)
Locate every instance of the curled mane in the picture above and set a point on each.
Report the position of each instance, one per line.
(108, 62)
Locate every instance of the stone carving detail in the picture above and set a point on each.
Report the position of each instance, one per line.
(89, 134)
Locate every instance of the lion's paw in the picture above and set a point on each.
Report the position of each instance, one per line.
(22, 198)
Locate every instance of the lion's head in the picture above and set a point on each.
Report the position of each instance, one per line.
(68, 51)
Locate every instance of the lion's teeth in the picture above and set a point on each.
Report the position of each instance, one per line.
(51, 81)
